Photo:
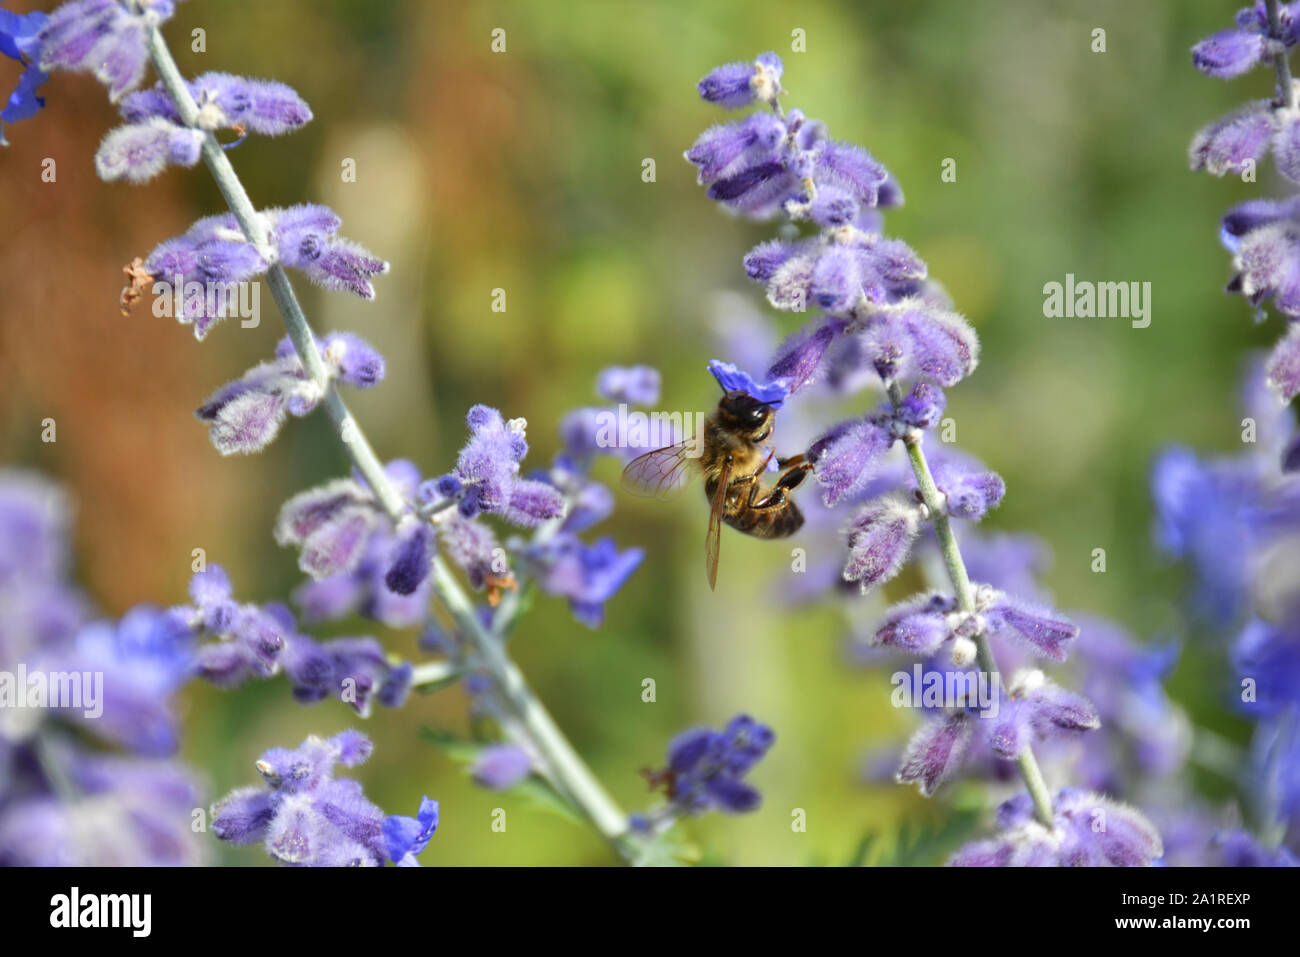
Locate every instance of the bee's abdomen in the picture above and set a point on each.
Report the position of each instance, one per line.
(777, 522)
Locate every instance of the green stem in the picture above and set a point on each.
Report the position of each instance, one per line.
(965, 593)
(564, 767)
(1281, 60)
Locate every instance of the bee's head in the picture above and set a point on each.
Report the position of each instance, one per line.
(744, 414)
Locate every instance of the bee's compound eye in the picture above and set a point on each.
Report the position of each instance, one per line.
(756, 415)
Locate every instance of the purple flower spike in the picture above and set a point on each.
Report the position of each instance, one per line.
(733, 379)
(406, 837)
(847, 457)
(880, 539)
(1042, 630)
(139, 152)
(740, 84)
(1228, 144)
(936, 751)
(1228, 54)
(502, 766)
(634, 385)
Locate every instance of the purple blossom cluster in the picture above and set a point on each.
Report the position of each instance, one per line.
(88, 726)
(369, 546)
(706, 771)
(205, 265)
(108, 38)
(883, 320)
(306, 817)
(1235, 521)
(96, 781)
(1088, 830)
(154, 135)
(250, 641)
(245, 415)
(1263, 235)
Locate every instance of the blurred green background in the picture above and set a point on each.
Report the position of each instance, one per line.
(522, 170)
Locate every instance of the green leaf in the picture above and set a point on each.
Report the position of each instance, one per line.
(920, 844)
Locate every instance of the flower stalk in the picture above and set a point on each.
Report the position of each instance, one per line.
(562, 765)
(965, 592)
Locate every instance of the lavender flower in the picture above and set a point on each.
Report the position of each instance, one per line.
(214, 255)
(885, 319)
(1088, 830)
(407, 837)
(487, 479)
(307, 817)
(19, 40)
(740, 84)
(880, 540)
(155, 136)
(128, 812)
(139, 152)
(62, 800)
(103, 37)
(587, 575)
(706, 768)
(1231, 53)
(244, 416)
(226, 102)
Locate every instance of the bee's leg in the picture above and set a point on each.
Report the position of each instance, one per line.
(790, 479)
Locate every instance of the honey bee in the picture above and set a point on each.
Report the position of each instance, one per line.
(735, 452)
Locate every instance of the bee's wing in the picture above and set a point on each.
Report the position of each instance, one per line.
(713, 540)
(660, 473)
